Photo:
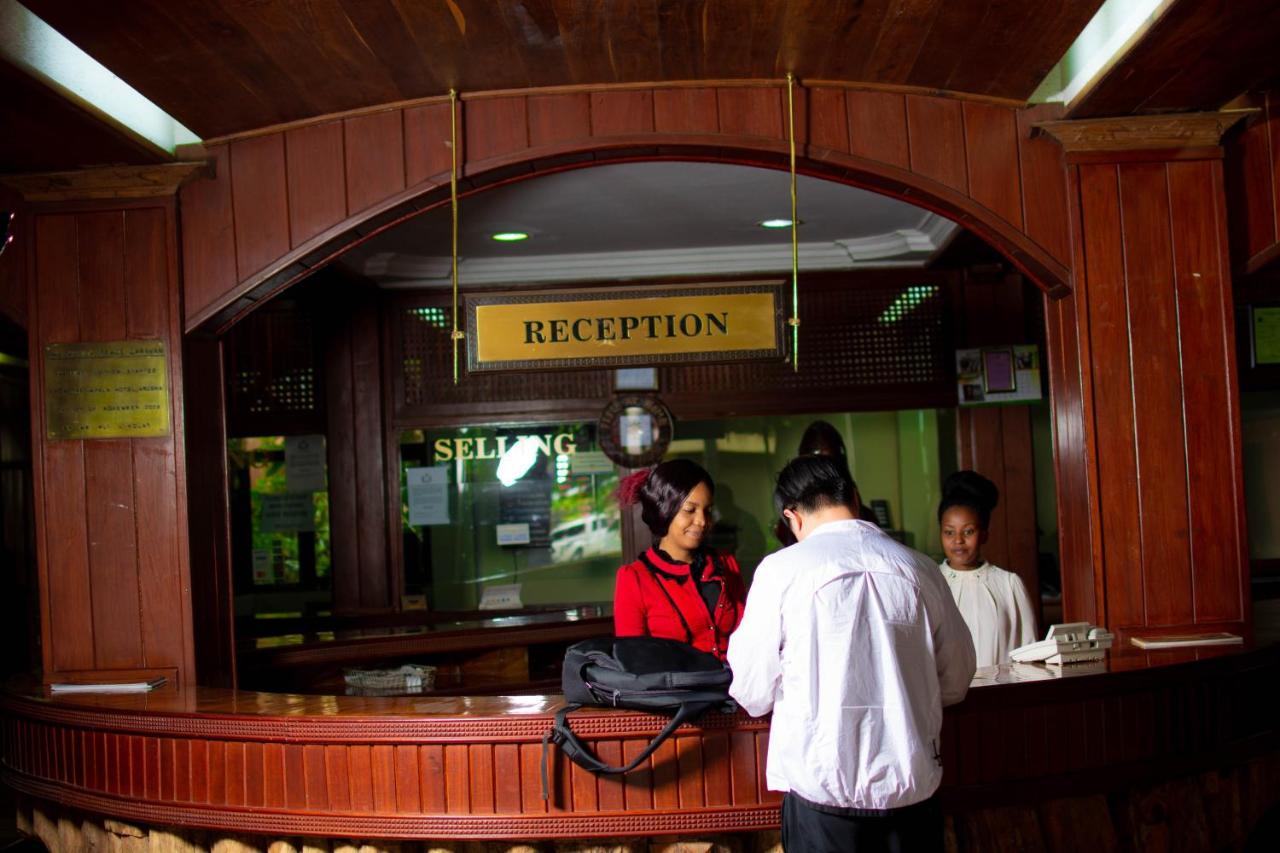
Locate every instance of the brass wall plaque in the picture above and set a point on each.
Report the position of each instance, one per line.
(115, 389)
(626, 325)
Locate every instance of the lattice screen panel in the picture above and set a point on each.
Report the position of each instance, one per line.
(427, 359)
(867, 341)
(273, 376)
(854, 337)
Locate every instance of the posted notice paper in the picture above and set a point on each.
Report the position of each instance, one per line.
(428, 495)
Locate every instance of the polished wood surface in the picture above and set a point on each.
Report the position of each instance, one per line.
(467, 767)
(1252, 188)
(105, 182)
(1197, 56)
(111, 515)
(1150, 496)
(246, 239)
(248, 66)
(363, 573)
(1141, 133)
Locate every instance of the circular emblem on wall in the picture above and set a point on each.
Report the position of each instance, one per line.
(634, 430)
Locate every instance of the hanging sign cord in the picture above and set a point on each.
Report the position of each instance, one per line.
(794, 321)
(456, 336)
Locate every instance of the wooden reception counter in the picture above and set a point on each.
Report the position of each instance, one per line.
(283, 765)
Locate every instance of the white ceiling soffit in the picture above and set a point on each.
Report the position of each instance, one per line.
(652, 220)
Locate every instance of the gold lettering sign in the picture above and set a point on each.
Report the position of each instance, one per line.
(117, 389)
(617, 327)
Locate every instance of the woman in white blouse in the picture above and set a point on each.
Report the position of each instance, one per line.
(994, 603)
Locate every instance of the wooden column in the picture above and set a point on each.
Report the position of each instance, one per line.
(111, 515)
(364, 579)
(1144, 382)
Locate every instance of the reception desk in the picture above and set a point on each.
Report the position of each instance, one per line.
(281, 766)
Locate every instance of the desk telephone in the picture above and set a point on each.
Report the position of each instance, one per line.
(1072, 642)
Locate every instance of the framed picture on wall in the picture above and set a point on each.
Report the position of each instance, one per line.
(998, 373)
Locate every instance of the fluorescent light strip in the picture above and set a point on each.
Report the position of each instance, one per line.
(37, 48)
(1115, 27)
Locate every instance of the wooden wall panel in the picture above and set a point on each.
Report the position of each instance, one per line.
(936, 134)
(1254, 188)
(621, 113)
(249, 204)
(316, 202)
(753, 112)
(1157, 392)
(495, 126)
(208, 236)
(1112, 391)
(361, 569)
(111, 512)
(259, 202)
(991, 144)
(878, 128)
(685, 111)
(1205, 319)
(1159, 398)
(375, 162)
(829, 120)
(1043, 177)
(427, 137)
(559, 118)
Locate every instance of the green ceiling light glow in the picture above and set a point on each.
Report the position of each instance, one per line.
(510, 236)
(776, 223)
(1115, 27)
(38, 49)
(906, 301)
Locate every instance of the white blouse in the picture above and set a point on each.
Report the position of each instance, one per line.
(996, 607)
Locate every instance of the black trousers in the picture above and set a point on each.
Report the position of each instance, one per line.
(812, 828)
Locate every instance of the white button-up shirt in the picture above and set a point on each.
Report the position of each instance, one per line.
(855, 643)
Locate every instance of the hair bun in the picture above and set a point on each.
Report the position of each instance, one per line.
(970, 488)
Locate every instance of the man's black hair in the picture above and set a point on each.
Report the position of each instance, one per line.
(810, 483)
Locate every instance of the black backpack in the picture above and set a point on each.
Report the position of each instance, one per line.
(642, 673)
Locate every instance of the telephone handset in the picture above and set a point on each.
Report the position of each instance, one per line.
(1071, 642)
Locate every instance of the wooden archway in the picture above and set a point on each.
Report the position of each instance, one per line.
(287, 200)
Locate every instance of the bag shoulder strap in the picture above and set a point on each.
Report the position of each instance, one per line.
(653, 571)
(562, 735)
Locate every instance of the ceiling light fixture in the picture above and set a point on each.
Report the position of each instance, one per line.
(510, 236)
(777, 223)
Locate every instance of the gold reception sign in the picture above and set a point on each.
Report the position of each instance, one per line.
(118, 389)
(617, 327)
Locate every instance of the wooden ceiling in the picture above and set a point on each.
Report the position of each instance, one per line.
(43, 131)
(236, 65)
(1198, 56)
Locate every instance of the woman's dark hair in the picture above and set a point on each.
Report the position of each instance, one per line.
(809, 483)
(969, 489)
(821, 439)
(661, 490)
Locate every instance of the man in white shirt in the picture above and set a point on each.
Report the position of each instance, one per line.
(855, 644)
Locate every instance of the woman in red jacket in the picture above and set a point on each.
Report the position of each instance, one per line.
(678, 588)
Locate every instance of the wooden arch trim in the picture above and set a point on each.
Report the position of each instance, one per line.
(286, 202)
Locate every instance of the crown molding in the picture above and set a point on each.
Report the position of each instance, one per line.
(907, 247)
(107, 182)
(1135, 133)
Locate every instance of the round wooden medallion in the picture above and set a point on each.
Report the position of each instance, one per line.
(634, 430)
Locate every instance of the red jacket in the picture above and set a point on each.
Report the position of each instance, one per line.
(640, 609)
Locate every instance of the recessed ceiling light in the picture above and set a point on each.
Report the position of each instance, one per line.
(510, 236)
(777, 223)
